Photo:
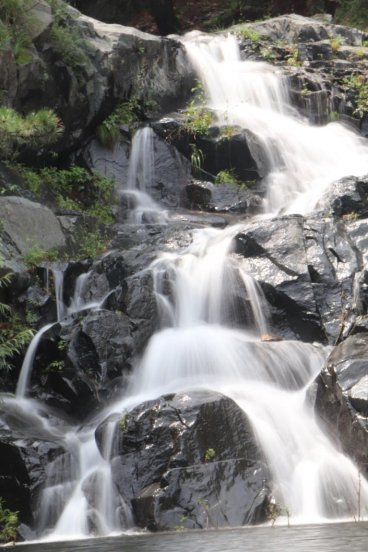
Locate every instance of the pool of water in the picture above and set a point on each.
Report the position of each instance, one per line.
(334, 537)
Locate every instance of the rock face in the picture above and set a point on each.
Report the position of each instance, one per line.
(28, 223)
(306, 269)
(25, 453)
(117, 62)
(171, 171)
(189, 460)
(342, 398)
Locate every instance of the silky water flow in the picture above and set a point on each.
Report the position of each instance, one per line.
(196, 345)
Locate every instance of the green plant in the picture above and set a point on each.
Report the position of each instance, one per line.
(304, 91)
(336, 43)
(274, 511)
(334, 115)
(180, 527)
(198, 117)
(34, 255)
(92, 246)
(8, 523)
(196, 158)
(351, 216)
(210, 454)
(226, 177)
(124, 421)
(66, 41)
(13, 336)
(359, 84)
(55, 366)
(62, 345)
(293, 59)
(249, 33)
(352, 13)
(35, 130)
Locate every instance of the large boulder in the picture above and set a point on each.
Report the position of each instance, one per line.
(188, 460)
(26, 450)
(342, 398)
(28, 224)
(222, 198)
(306, 269)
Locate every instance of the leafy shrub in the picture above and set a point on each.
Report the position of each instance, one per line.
(227, 177)
(34, 255)
(360, 85)
(35, 130)
(13, 337)
(8, 523)
(198, 117)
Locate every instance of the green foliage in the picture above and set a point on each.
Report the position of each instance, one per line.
(124, 114)
(35, 130)
(13, 337)
(360, 85)
(180, 528)
(353, 12)
(66, 41)
(249, 33)
(351, 216)
(124, 421)
(199, 118)
(274, 511)
(227, 177)
(14, 36)
(293, 59)
(210, 454)
(8, 523)
(336, 43)
(93, 245)
(34, 255)
(55, 366)
(196, 158)
(69, 184)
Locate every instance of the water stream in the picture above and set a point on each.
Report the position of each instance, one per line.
(196, 344)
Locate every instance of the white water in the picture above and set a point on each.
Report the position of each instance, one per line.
(140, 178)
(303, 159)
(197, 345)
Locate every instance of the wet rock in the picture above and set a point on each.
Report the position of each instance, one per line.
(23, 465)
(171, 169)
(235, 149)
(342, 398)
(222, 198)
(274, 254)
(193, 455)
(347, 196)
(306, 269)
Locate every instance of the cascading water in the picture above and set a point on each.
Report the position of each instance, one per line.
(303, 160)
(140, 178)
(197, 345)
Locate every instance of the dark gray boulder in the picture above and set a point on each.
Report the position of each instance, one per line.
(189, 459)
(346, 197)
(222, 198)
(233, 149)
(342, 398)
(306, 268)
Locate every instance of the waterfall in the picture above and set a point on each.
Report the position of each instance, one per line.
(303, 159)
(197, 345)
(61, 310)
(141, 179)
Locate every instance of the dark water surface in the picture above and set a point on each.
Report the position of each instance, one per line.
(336, 538)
